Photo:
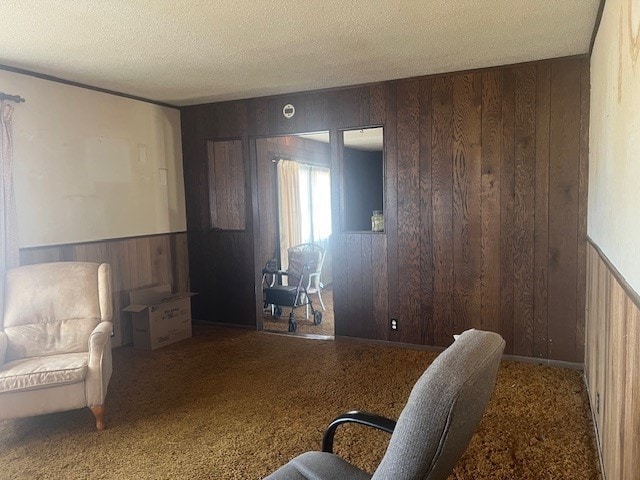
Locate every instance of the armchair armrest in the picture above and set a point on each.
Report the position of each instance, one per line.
(363, 418)
(99, 337)
(3, 347)
(99, 364)
(311, 276)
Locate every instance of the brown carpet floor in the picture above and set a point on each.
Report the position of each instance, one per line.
(236, 404)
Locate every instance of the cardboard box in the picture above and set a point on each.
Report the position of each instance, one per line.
(159, 317)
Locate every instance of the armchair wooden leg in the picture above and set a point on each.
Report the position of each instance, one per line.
(98, 412)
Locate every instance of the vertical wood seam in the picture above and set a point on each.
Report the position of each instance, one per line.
(548, 349)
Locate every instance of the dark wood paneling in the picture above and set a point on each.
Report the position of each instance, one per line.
(490, 186)
(366, 285)
(226, 185)
(583, 187)
(467, 201)
(355, 107)
(524, 208)
(564, 157)
(377, 104)
(541, 247)
(485, 205)
(340, 286)
(380, 287)
(507, 207)
(426, 213)
(135, 263)
(442, 205)
(355, 313)
(391, 202)
(408, 158)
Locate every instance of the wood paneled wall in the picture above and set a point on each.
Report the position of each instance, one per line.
(226, 185)
(612, 366)
(135, 263)
(485, 206)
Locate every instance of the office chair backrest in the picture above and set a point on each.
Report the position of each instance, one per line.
(443, 410)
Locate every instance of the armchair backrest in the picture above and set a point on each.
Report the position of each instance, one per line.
(443, 410)
(52, 308)
(304, 254)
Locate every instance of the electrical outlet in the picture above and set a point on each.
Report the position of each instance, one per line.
(394, 324)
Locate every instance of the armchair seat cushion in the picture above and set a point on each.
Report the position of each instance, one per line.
(38, 372)
(318, 466)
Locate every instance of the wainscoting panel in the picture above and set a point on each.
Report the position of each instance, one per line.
(612, 365)
(135, 263)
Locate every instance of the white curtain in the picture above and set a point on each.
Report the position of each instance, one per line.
(321, 204)
(289, 208)
(304, 209)
(321, 217)
(9, 253)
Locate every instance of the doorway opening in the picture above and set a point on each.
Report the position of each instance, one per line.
(294, 208)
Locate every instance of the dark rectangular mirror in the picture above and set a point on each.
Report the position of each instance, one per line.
(363, 179)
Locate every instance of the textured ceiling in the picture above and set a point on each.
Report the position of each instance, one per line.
(193, 51)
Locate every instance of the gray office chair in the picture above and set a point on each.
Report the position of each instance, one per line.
(435, 426)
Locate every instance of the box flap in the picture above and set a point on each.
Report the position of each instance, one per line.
(149, 296)
(178, 295)
(135, 308)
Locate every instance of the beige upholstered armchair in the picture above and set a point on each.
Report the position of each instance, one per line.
(55, 349)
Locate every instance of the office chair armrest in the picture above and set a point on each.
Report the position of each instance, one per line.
(356, 416)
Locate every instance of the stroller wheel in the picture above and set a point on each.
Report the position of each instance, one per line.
(317, 317)
(277, 311)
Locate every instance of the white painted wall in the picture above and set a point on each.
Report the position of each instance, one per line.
(614, 140)
(87, 164)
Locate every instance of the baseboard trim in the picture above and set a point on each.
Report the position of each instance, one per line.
(387, 343)
(545, 361)
(207, 323)
(303, 336)
(429, 348)
(410, 346)
(595, 428)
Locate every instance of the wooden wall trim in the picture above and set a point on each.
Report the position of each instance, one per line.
(628, 289)
(51, 78)
(104, 240)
